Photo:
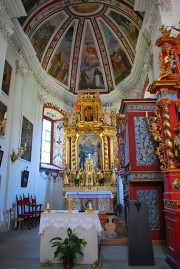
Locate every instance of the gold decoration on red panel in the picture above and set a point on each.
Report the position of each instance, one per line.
(176, 184)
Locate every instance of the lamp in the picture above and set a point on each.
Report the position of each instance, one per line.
(3, 125)
(15, 156)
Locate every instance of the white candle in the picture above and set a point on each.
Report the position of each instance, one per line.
(47, 205)
(146, 114)
(5, 115)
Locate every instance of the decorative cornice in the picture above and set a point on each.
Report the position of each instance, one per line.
(14, 9)
(5, 26)
(21, 68)
(165, 6)
(45, 92)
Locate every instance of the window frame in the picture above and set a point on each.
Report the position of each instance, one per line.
(49, 167)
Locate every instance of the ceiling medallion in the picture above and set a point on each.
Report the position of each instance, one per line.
(86, 9)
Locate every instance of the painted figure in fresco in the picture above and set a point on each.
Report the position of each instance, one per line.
(83, 80)
(92, 55)
(98, 78)
(177, 146)
(55, 65)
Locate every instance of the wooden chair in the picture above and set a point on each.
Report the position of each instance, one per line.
(26, 215)
(36, 207)
(14, 220)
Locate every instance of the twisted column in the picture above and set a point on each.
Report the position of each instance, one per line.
(73, 153)
(165, 104)
(106, 163)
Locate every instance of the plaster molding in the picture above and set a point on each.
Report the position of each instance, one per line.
(141, 5)
(5, 25)
(14, 9)
(21, 68)
(165, 6)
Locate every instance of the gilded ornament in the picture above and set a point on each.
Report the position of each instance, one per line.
(88, 118)
(176, 184)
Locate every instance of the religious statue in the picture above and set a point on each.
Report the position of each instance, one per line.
(177, 145)
(100, 176)
(66, 176)
(78, 179)
(65, 120)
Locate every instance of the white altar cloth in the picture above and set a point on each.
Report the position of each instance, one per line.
(55, 224)
(89, 194)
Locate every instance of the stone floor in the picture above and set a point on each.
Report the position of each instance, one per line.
(20, 250)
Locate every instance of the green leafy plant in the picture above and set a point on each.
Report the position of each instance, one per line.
(69, 248)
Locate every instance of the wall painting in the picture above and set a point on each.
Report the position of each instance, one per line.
(26, 138)
(6, 78)
(59, 68)
(91, 75)
(120, 62)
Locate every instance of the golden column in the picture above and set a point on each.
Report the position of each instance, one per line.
(112, 153)
(106, 162)
(73, 153)
(67, 150)
(165, 104)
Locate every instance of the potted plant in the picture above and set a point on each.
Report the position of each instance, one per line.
(68, 249)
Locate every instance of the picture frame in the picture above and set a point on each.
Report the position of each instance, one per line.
(1, 156)
(24, 178)
(6, 78)
(26, 138)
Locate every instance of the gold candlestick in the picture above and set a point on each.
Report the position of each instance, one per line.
(69, 199)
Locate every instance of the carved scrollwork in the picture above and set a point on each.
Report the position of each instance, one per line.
(176, 184)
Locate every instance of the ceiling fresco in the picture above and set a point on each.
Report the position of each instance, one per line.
(83, 43)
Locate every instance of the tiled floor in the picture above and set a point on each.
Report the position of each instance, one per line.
(20, 250)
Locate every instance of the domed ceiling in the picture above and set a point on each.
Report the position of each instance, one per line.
(84, 44)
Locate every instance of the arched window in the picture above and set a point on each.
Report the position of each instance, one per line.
(52, 138)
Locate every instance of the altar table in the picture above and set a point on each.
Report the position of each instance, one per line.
(101, 200)
(55, 224)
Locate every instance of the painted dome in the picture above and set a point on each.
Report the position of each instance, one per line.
(82, 43)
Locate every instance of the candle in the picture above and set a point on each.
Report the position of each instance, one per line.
(146, 114)
(5, 115)
(47, 205)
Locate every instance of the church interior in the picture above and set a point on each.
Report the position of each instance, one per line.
(90, 116)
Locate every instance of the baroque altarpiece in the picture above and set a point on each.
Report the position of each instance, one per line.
(90, 146)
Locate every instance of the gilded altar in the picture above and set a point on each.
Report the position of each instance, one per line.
(90, 146)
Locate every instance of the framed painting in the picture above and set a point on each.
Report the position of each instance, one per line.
(26, 138)
(1, 156)
(24, 178)
(89, 146)
(6, 78)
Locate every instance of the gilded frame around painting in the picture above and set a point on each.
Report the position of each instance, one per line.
(26, 138)
(6, 78)
(1, 156)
